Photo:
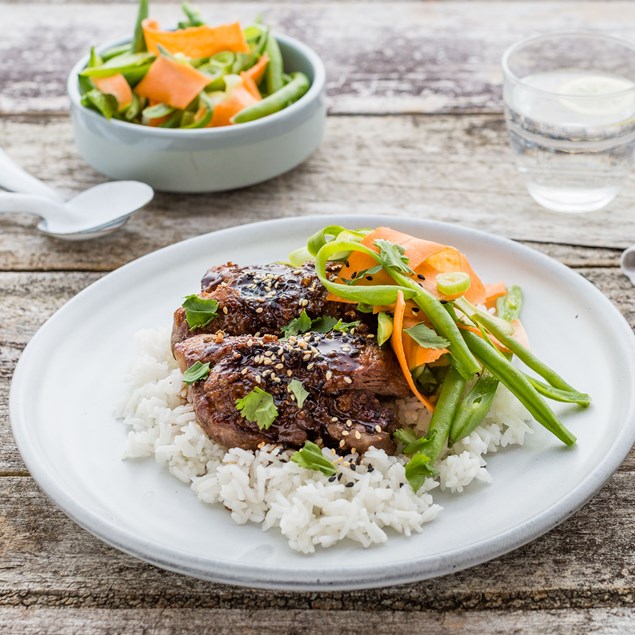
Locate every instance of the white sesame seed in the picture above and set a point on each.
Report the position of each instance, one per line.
(244, 371)
(377, 428)
(357, 434)
(334, 419)
(258, 379)
(306, 357)
(345, 433)
(329, 374)
(225, 310)
(353, 450)
(348, 380)
(259, 309)
(342, 443)
(349, 422)
(309, 366)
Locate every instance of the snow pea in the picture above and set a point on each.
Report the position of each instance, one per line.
(121, 64)
(138, 44)
(275, 68)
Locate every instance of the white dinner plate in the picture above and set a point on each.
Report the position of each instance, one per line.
(69, 379)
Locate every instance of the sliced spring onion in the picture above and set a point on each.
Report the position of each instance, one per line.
(453, 283)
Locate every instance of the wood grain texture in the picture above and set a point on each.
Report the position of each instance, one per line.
(456, 169)
(46, 621)
(587, 562)
(410, 57)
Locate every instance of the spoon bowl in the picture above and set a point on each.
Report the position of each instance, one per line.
(627, 263)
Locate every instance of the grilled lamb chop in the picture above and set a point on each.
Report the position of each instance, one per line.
(343, 374)
(261, 299)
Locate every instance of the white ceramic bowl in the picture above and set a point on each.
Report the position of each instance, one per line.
(211, 159)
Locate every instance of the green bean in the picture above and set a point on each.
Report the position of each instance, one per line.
(174, 120)
(276, 101)
(120, 64)
(475, 407)
(443, 324)
(275, 67)
(134, 109)
(159, 110)
(114, 51)
(581, 399)
(194, 18)
(138, 41)
(206, 102)
(431, 446)
(105, 104)
(134, 76)
(518, 384)
(492, 325)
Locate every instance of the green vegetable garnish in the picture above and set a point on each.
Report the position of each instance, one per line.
(508, 307)
(384, 327)
(195, 372)
(392, 255)
(138, 41)
(324, 324)
(119, 64)
(453, 283)
(310, 457)
(426, 337)
(298, 325)
(297, 388)
(105, 104)
(258, 407)
(199, 311)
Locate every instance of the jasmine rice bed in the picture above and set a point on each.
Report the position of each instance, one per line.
(368, 496)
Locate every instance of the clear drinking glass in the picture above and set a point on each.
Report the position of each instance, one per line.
(570, 112)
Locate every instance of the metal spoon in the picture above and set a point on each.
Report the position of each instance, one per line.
(93, 213)
(628, 263)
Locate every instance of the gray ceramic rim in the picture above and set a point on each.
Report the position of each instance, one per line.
(514, 79)
(346, 577)
(225, 133)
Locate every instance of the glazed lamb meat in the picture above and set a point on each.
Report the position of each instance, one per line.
(343, 374)
(261, 299)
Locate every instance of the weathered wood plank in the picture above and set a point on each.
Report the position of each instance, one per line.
(415, 57)
(587, 562)
(314, 622)
(456, 169)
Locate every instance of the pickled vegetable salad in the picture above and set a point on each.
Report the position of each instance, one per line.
(196, 76)
(454, 336)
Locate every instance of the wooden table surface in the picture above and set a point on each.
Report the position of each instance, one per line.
(415, 128)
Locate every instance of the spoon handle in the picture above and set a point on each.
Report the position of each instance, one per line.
(15, 179)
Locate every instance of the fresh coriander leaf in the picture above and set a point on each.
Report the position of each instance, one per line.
(344, 327)
(297, 388)
(323, 324)
(426, 337)
(298, 325)
(310, 457)
(418, 469)
(258, 407)
(199, 312)
(195, 372)
(412, 444)
(393, 255)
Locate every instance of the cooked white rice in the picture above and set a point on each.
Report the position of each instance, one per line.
(265, 487)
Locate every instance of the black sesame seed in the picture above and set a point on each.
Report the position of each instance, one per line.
(421, 276)
(369, 278)
(339, 476)
(401, 485)
(370, 468)
(353, 467)
(353, 275)
(444, 301)
(351, 484)
(332, 478)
